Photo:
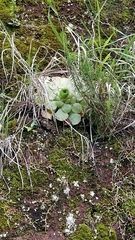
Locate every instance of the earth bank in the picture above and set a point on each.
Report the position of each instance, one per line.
(57, 185)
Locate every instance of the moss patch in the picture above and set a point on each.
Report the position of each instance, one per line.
(7, 10)
(83, 232)
(104, 233)
(101, 233)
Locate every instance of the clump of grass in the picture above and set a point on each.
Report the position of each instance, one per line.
(103, 72)
(14, 101)
(17, 96)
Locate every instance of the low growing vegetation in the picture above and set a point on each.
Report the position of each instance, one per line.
(67, 131)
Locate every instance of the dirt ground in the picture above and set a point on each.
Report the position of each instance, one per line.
(96, 185)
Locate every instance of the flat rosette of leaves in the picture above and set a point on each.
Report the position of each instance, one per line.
(68, 107)
(64, 100)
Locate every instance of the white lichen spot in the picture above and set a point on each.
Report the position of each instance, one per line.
(55, 198)
(111, 160)
(66, 190)
(3, 235)
(84, 181)
(76, 184)
(92, 193)
(70, 224)
(50, 185)
(34, 201)
(97, 217)
(82, 196)
(62, 179)
(42, 207)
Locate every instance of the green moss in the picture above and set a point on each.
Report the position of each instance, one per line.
(73, 203)
(103, 233)
(72, 140)
(6, 12)
(129, 206)
(64, 155)
(48, 38)
(58, 160)
(3, 218)
(38, 177)
(9, 216)
(83, 233)
(10, 213)
(102, 209)
(12, 125)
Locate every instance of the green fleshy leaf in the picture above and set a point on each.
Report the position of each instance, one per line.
(60, 115)
(73, 100)
(83, 104)
(52, 93)
(64, 93)
(53, 105)
(77, 108)
(68, 101)
(78, 97)
(75, 118)
(66, 108)
(57, 98)
(59, 104)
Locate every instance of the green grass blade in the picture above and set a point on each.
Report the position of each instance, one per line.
(52, 7)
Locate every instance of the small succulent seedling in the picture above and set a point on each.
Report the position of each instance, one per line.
(31, 127)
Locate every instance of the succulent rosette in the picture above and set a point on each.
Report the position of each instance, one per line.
(64, 100)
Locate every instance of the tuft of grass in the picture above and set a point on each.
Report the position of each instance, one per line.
(14, 100)
(103, 72)
(17, 97)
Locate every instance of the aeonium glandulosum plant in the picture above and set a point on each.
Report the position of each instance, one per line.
(64, 100)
